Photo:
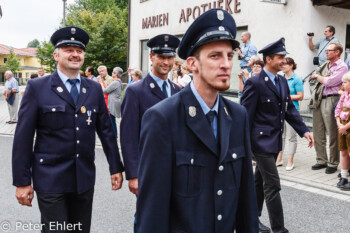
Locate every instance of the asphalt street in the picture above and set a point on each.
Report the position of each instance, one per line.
(113, 210)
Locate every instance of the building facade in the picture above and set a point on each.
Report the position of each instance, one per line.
(29, 63)
(266, 20)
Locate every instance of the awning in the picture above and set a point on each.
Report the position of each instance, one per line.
(345, 4)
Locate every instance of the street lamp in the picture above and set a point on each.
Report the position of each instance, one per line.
(64, 12)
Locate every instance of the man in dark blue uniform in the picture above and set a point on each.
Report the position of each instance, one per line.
(267, 100)
(195, 171)
(142, 95)
(65, 111)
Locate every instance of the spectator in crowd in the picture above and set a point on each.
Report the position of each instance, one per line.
(248, 50)
(176, 70)
(41, 72)
(342, 115)
(257, 66)
(322, 44)
(11, 91)
(90, 73)
(347, 61)
(296, 90)
(323, 116)
(102, 70)
(82, 73)
(136, 75)
(195, 161)
(142, 95)
(185, 77)
(114, 92)
(267, 100)
(131, 68)
(105, 79)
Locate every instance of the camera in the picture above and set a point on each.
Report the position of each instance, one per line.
(310, 34)
(179, 72)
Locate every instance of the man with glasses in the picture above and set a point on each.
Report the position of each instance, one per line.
(322, 44)
(330, 76)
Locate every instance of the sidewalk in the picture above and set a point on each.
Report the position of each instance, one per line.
(302, 177)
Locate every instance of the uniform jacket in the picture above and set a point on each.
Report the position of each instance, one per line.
(267, 111)
(138, 98)
(62, 159)
(188, 183)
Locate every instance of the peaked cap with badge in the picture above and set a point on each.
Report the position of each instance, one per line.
(164, 44)
(213, 25)
(277, 47)
(70, 36)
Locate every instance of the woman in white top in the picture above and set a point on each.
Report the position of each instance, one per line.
(186, 78)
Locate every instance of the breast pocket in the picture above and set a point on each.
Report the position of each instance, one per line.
(53, 116)
(268, 104)
(188, 174)
(233, 167)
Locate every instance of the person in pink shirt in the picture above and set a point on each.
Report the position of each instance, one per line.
(323, 117)
(342, 116)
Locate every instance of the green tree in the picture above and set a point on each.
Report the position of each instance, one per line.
(12, 62)
(108, 33)
(96, 5)
(33, 44)
(45, 55)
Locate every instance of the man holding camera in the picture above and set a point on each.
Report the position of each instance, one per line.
(330, 76)
(248, 50)
(322, 44)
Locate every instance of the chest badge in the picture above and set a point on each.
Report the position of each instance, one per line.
(89, 117)
(60, 89)
(151, 85)
(266, 79)
(226, 111)
(192, 111)
(83, 90)
(83, 109)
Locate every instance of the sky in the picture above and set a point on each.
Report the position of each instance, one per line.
(25, 20)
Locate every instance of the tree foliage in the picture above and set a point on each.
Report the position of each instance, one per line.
(12, 62)
(33, 44)
(106, 23)
(45, 55)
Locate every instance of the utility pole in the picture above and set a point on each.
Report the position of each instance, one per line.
(64, 12)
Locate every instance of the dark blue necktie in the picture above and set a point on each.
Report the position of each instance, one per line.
(74, 90)
(164, 89)
(210, 117)
(277, 84)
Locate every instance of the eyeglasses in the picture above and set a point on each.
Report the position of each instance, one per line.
(328, 50)
(256, 67)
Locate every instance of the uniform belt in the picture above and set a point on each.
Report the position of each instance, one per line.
(325, 96)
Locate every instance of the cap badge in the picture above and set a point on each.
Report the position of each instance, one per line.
(151, 85)
(73, 30)
(266, 79)
(166, 38)
(221, 28)
(166, 46)
(192, 111)
(59, 89)
(72, 38)
(220, 15)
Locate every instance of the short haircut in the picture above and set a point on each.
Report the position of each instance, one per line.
(178, 61)
(9, 72)
(259, 62)
(91, 70)
(118, 71)
(338, 47)
(290, 61)
(346, 77)
(33, 76)
(40, 68)
(102, 67)
(331, 29)
(247, 34)
(185, 67)
(137, 73)
(271, 56)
